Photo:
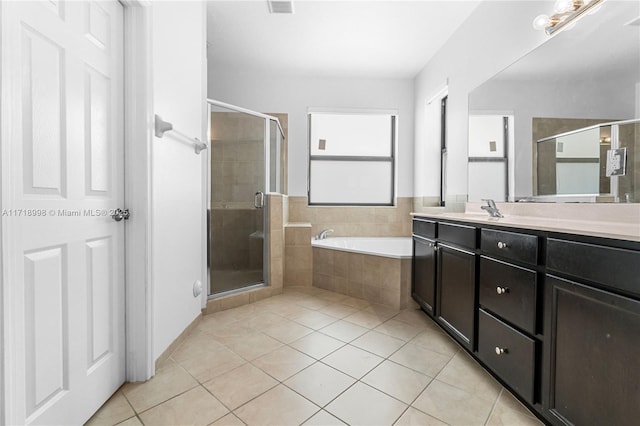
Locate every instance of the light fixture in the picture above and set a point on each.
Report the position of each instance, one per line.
(566, 12)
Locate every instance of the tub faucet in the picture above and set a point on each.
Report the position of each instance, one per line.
(491, 208)
(323, 234)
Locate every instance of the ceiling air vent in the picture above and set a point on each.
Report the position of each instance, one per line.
(280, 6)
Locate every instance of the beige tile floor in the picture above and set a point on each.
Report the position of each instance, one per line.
(314, 357)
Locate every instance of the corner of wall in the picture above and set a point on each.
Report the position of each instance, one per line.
(177, 173)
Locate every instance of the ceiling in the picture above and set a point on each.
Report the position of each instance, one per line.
(347, 38)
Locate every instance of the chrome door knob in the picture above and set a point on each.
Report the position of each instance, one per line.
(500, 351)
(502, 290)
(502, 245)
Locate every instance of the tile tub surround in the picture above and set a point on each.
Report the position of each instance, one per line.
(403, 370)
(381, 280)
(298, 264)
(355, 221)
(607, 220)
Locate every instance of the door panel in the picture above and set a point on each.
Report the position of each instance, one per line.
(97, 89)
(456, 293)
(238, 173)
(62, 172)
(424, 274)
(99, 301)
(593, 351)
(42, 114)
(46, 331)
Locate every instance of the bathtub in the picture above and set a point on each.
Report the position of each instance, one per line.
(377, 269)
(394, 247)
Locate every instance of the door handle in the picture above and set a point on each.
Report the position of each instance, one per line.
(120, 214)
(258, 200)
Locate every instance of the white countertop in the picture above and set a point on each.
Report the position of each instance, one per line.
(616, 221)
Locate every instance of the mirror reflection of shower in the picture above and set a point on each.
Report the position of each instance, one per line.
(244, 165)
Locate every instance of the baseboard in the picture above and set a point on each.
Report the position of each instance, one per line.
(162, 359)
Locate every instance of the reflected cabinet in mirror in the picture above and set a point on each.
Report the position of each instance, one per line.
(560, 124)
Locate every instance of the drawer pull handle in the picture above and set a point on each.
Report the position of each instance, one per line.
(502, 245)
(502, 290)
(501, 351)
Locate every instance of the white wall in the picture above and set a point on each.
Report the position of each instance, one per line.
(295, 94)
(493, 37)
(179, 89)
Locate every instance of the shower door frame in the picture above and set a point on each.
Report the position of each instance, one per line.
(267, 181)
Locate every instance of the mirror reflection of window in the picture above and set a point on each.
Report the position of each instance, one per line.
(578, 163)
(490, 136)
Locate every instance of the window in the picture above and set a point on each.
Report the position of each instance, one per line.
(431, 164)
(352, 158)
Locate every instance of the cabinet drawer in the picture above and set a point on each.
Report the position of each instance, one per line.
(461, 235)
(611, 267)
(510, 245)
(510, 292)
(509, 353)
(424, 228)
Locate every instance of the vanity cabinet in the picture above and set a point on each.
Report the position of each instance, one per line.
(593, 321)
(555, 317)
(423, 277)
(456, 281)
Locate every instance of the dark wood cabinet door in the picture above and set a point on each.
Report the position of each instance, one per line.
(594, 355)
(424, 274)
(456, 293)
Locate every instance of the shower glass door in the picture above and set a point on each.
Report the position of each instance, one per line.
(238, 174)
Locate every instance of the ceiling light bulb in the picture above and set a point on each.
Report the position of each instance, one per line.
(563, 6)
(541, 22)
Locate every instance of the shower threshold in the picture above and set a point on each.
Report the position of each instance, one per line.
(235, 291)
(225, 282)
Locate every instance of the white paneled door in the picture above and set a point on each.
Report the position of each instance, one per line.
(62, 175)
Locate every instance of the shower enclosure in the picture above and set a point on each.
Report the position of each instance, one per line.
(244, 164)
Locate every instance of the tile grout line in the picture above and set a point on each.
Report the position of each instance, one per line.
(493, 407)
(320, 360)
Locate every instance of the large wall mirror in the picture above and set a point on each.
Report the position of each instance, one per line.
(541, 130)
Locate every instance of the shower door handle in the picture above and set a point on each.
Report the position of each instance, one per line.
(258, 200)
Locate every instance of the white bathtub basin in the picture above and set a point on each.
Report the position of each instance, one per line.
(394, 247)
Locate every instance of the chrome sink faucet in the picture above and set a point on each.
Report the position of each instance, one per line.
(491, 208)
(323, 234)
